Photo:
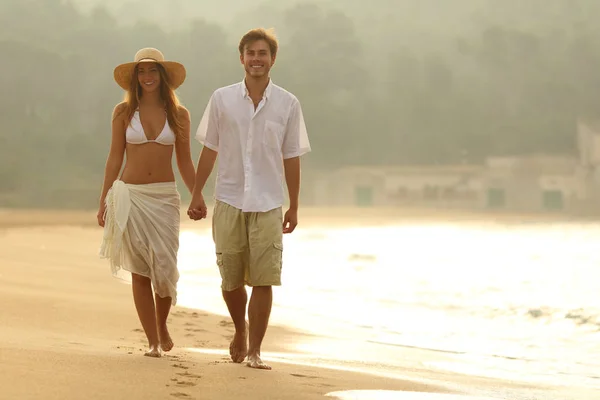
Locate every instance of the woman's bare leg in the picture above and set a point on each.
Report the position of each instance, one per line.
(163, 307)
(144, 304)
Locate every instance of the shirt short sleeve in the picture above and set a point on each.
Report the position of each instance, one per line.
(295, 141)
(208, 130)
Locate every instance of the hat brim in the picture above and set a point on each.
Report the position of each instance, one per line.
(176, 73)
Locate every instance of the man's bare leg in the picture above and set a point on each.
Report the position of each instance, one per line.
(259, 312)
(163, 307)
(236, 304)
(144, 304)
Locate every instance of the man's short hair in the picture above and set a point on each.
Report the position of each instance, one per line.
(268, 35)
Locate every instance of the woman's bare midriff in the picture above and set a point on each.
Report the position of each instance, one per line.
(148, 163)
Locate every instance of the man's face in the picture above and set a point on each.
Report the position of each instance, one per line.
(257, 59)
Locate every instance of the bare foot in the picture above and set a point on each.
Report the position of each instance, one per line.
(254, 361)
(238, 348)
(166, 343)
(154, 351)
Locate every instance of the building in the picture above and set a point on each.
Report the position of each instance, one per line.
(366, 186)
(529, 183)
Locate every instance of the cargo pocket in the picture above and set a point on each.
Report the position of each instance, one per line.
(278, 255)
(232, 270)
(220, 264)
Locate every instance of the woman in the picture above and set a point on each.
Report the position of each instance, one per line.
(140, 210)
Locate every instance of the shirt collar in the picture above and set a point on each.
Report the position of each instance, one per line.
(244, 89)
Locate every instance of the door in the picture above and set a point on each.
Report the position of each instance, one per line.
(364, 196)
(496, 198)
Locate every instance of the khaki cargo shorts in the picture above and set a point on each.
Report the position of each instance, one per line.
(248, 246)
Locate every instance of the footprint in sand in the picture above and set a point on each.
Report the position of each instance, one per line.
(184, 314)
(220, 362)
(188, 375)
(138, 330)
(180, 366)
(225, 323)
(186, 383)
(181, 395)
(304, 376)
(320, 385)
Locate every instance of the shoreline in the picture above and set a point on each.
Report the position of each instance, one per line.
(308, 216)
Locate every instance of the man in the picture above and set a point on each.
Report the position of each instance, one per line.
(258, 131)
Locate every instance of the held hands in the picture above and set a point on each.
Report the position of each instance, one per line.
(290, 220)
(197, 209)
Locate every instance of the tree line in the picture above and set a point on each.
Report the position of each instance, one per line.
(374, 89)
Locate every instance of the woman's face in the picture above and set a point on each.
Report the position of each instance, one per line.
(148, 76)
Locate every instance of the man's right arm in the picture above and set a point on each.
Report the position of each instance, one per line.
(208, 135)
(208, 129)
(206, 164)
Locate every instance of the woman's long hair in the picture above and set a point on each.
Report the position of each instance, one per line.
(167, 94)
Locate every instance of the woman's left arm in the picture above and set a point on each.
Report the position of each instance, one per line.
(183, 151)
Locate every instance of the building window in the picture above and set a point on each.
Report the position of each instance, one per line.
(553, 200)
(363, 196)
(496, 198)
(402, 193)
(430, 193)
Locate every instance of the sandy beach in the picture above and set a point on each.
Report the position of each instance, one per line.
(70, 331)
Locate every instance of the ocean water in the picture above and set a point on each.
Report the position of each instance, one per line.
(516, 301)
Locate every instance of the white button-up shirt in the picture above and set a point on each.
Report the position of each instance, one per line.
(252, 144)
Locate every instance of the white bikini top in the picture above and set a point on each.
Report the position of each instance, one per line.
(135, 133)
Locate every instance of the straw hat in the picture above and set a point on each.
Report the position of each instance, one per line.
(175, 71)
